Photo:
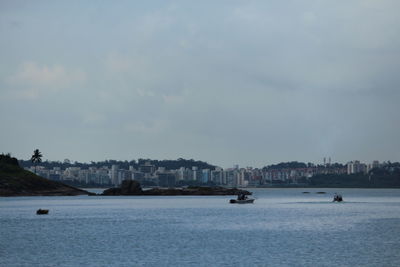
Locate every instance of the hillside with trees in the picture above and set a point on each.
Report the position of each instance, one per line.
(15, 181)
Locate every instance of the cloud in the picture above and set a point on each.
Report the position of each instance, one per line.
(117, 63)
(94, 118)
(145, 93)
(32, 79)
(148, 127)
(226, 81)
(173, 99)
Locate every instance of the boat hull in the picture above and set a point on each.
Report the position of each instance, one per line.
(337, 198)
(244, 201)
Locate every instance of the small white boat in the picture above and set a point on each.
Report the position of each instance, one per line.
(241, 201)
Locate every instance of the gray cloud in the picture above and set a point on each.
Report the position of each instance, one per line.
(228, 82)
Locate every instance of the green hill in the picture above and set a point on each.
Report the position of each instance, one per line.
(15, 181)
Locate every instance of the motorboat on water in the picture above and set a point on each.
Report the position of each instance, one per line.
(242, 199)
(337, 198)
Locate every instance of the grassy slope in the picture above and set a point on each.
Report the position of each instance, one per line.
(15, 181)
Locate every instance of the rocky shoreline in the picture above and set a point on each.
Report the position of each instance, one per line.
(36, 186)
(133, 188)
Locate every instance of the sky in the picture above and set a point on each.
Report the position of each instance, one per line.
(228, 82)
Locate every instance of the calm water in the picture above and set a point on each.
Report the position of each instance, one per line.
(283, 228)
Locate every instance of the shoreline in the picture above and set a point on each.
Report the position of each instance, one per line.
(241, 188)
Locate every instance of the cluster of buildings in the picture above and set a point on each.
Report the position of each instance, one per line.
(357, 167)
(150, 174)
(239, 177)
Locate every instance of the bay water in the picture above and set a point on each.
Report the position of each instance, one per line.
(284, 227)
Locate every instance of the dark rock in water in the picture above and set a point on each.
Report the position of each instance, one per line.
(196, 191)
(129, 187)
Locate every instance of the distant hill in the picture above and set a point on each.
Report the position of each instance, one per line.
(15, 181)
(167, 164)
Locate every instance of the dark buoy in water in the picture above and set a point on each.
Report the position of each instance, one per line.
(41, 212)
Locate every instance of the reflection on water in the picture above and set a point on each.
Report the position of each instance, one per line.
(283, 228)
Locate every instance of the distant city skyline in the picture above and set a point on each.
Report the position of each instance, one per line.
(227, 82)
(324, 161)
(187, 172)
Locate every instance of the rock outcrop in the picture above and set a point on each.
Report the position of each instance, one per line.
(128, 187)
(133, 188)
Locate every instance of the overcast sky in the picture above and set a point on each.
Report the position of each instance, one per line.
(228, 82)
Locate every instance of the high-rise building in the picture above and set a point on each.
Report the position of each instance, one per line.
(356, 167)
(206, 176)
(147, 168)
(114, 175)
(216, 176)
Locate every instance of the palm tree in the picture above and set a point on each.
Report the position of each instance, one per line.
(36, 157)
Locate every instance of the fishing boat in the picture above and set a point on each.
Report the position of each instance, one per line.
(41, 212)
(337, 198)
(242, 199)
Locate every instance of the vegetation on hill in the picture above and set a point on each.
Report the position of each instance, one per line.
(286, 165)
(297, 165)
(15, 181)
(36, 157)
(167, 164)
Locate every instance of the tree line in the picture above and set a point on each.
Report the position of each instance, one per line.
(167, 164)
